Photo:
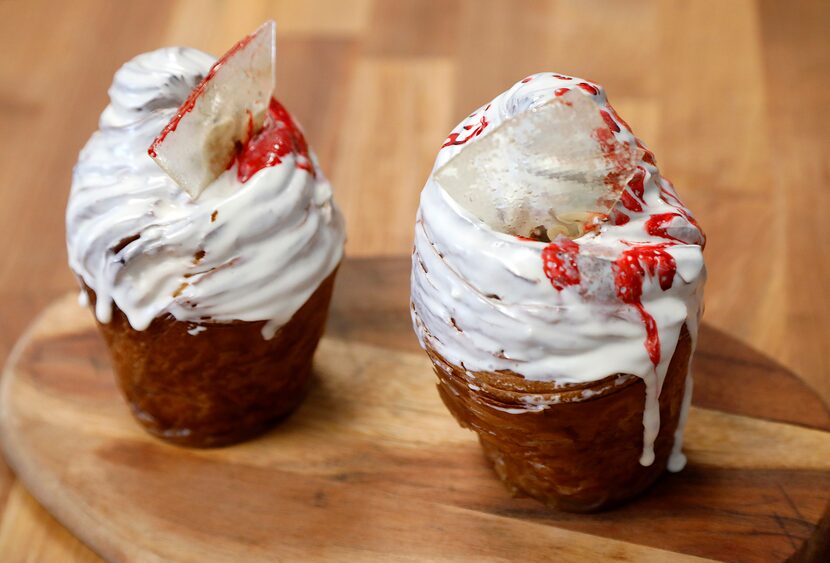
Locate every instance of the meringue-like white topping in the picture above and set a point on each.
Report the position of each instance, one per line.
(559, 312)
(248, 251)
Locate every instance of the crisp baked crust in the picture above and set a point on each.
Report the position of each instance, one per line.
(581, 452)
(222, 385)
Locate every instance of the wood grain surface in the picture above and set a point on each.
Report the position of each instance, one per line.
(372, 467)
(730, 95)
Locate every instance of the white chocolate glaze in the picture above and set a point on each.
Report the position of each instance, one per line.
(483, 300)
(252, 251)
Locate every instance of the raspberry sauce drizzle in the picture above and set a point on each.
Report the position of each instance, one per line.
(454, 140)
(675, 202)
(589, 88)
(619, 119)
(658, 225)
(559, 263)
(632, 197)
(613, 153)
(278, 137)
(618, 218)
(630, 269)
(629, 273)
(609, 121)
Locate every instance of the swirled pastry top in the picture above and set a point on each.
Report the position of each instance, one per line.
(253, 247)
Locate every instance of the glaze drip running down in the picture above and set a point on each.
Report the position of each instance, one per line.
(253, 247)
(613, 300)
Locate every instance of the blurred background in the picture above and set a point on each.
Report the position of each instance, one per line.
(730, 95)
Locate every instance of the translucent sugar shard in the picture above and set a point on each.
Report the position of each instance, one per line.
(225, 109)
(555, 166)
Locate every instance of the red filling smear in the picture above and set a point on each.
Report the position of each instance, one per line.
(619, 218)
(562, 77)
(454, 140)
(559, 263)
(657, 226)
(648, 156)
(526, 80)
(630, 269)
(609, 121)
(618, 158)
(278, 137)
(188, 104)
(632, 197)
(630, 202)
(618, 118)
(637, 183)
(629, 272)
(588, 88)
(561, 91)
(673, 200)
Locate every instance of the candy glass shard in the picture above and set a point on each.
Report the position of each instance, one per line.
(557, 165)
(222, 112)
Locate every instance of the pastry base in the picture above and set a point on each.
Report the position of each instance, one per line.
(582, 452)
(223, 385)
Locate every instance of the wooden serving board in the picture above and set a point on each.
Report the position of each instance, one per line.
(372, 467)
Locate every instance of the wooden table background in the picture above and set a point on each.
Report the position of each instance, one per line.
(731, 95)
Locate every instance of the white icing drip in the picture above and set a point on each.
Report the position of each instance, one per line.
(677, 459)
(251, 252)
(481, 297)
(196, 330)
(651, 417)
